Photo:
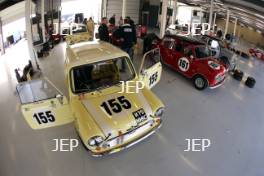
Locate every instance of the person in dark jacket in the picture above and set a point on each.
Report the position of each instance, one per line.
(132, 24)
(103, 30)
(128, 37)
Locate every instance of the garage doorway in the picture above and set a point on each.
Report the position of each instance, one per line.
(80, 9)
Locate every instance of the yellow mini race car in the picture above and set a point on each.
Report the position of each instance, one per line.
(107, 118)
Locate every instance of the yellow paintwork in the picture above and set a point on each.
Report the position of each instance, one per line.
(89, 117)
(59, 110)
(72, 39)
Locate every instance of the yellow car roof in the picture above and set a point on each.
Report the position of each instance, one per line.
(92, 51)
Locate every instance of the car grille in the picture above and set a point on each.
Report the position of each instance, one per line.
(129, 135)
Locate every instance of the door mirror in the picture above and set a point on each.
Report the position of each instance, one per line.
(150, 69)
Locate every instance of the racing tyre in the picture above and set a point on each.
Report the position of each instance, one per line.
(250, 82)
(200, 83)
(238, 75)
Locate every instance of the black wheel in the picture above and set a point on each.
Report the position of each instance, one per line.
(199, 82)
(250, 82)
(238, 75)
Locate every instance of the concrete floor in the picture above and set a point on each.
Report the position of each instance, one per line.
(231, 117)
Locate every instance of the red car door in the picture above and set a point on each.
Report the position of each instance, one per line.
(177, 54)
(184, 62)
(166, 50)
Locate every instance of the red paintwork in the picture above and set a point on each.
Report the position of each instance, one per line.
(141, 31)
(197, 66)
(113, 39)
(56, 38)
(257, 53)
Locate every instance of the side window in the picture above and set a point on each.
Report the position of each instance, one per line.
(168, 42)
(151, 59)
(178, 46)
(188, 52)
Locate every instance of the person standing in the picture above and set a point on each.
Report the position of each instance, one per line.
(103, 30)
(112, 20)
(134, 31)
(85, 21)
(120, 22)
(90, 27)
(128, 37)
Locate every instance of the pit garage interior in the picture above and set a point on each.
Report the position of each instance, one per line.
(230, 116)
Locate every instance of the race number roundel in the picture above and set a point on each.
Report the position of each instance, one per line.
(184, 64)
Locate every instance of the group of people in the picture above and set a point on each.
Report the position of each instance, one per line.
(125, 32)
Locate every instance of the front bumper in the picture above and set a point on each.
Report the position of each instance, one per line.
(129, 143)
(217, 84)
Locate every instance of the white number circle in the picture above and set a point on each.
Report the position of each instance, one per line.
(184, 64)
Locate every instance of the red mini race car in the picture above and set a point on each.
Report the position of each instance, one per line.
(192, 59)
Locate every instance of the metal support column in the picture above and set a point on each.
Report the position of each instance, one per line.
(29, 33)
(227, 22)
(2, 48)
(42, 6)
(104, 6)
(174, 11)
(214, 21)
(163, 18)
(211, 13)
(234, 33)
(124, 9)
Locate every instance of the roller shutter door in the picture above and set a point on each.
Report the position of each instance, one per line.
(115, 7)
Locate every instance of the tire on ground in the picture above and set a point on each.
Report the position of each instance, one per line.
(238, 75)
(199, 82)
(250, 82)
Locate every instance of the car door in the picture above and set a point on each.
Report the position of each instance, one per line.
(166, 49)
(42, 104)
(151, 68)
(177, 53)
(184, 63)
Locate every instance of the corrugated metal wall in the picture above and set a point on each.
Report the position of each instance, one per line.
(115, 7)
(132, 7)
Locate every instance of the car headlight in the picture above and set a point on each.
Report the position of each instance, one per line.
(95, 141)
(159, 112)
